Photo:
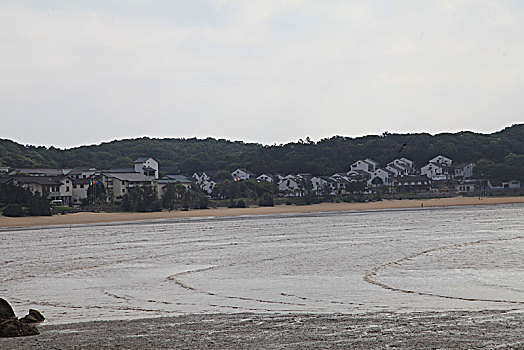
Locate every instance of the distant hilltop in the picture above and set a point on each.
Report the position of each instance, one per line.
(325, 157)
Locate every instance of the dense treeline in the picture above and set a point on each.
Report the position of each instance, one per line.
(18, 201)
(496, 153)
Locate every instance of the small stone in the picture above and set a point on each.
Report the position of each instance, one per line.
(37, 315)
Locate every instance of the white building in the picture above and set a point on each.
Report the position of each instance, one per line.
(384, 175)
(395, 169)
(367, 165)
(466, 186)
(80, 187)
(437, 168)
(444, 161)
(147, 166)
(204, 181)
(412, 183)
(358, 175)
(289, 184)
(242, 174)
(323, 185)
(201, 178)
(464, 171)
(409, 162)
(435, 171)
(57, 187)
(161, 184)
(266, 178)
(119, 184)
(401, 167)
(208, 186)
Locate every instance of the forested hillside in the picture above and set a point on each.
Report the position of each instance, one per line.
(499, 155)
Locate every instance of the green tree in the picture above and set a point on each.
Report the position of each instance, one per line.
(169, 196)
(141, 199)
(96, 192)
(222, 175)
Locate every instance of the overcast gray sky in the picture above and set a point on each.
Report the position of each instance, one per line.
(83, 72)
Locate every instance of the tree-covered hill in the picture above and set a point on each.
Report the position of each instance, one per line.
(325, 157)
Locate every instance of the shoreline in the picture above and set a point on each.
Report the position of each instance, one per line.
(100, 218)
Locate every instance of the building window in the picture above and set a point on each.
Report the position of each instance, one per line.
(67, 188)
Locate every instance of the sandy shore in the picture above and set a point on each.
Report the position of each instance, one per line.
(384, 330)
(91, 218)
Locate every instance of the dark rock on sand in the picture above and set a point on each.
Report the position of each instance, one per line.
(10, 326)
(36, 314)
(32, 317)
(16, 328)
(6, 311)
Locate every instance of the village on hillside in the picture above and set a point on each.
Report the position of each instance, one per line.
(73, 187)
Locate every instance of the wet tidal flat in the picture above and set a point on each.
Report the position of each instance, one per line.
(385, 266)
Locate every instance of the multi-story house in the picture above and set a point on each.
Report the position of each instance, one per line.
(58, 188)
(242, 174)
(367, 165)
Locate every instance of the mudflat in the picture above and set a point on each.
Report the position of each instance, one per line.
(91, 218)
(381, 330)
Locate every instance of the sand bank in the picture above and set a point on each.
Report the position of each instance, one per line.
(413, 330)
(91, 218)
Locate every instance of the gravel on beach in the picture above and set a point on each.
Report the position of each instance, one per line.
(412, 330)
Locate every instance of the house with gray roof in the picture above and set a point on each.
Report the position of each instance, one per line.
(367, 165)
(161, 184)
(147, 166)
(412, 183)
(82, 172)
(119, 184)
(57, 187)
(242, 174)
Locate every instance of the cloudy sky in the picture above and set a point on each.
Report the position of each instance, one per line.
(83, 72)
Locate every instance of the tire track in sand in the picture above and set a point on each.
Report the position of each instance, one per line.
(175, 279)
(371, 277)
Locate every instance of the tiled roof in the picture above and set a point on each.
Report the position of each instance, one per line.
(41, 180)
(39, 171)
(141, 159)
(177, 178)
(120, 170)
(132, 177)
(246, 171)
(394, 166)
(80, 170)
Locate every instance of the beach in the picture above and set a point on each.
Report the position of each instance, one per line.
(430, 330)
(366, 277)
(101, 217)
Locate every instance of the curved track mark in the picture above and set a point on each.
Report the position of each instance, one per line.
(370, 277)
(193, 289)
